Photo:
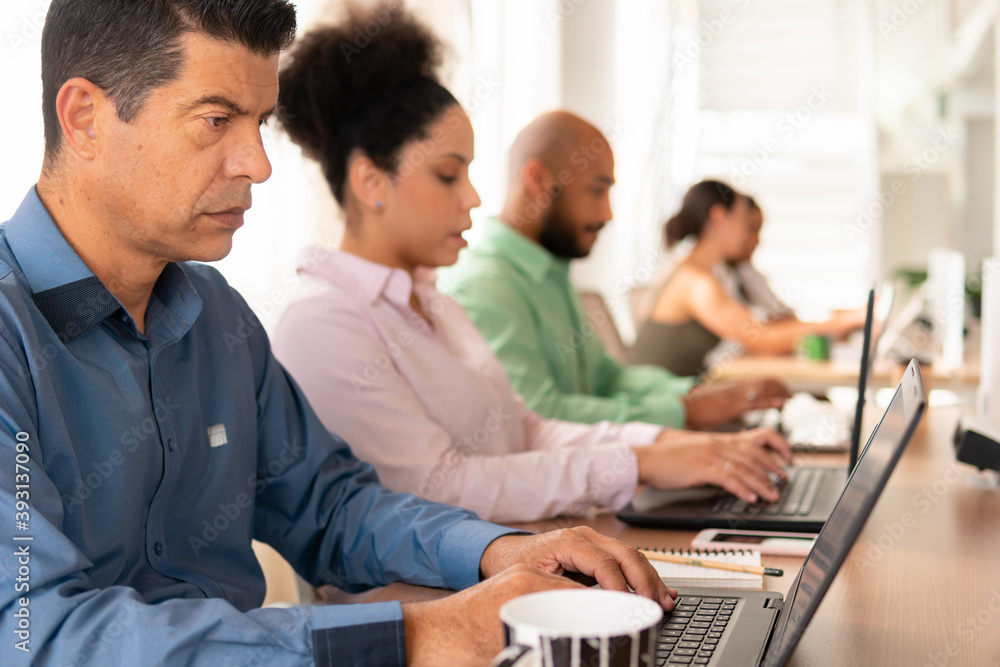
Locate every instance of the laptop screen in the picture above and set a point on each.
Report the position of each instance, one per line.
(879, 304)
(834, 542)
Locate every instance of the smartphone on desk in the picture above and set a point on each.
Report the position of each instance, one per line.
(766, 542)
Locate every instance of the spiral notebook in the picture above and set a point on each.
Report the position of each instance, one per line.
(693, 576)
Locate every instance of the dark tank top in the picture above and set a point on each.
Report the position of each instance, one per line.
(679, 347)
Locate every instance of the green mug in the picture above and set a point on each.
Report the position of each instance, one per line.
(814, 347)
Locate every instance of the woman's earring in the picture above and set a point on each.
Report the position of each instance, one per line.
(378, 206)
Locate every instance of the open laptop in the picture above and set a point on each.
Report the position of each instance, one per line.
(813, 425)
(806, 500)
(729, 628)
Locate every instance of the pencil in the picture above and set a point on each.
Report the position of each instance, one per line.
(714, 564)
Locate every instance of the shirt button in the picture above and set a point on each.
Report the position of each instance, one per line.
(172, 444)
(158, 548)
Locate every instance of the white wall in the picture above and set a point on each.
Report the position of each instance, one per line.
(20, 114)
(920, 219)
(976, 226)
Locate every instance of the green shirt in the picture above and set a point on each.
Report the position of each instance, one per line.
(521, 299)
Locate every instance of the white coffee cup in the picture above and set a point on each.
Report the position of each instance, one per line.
(579, 628)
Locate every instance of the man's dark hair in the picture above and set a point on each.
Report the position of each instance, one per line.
(129, 47)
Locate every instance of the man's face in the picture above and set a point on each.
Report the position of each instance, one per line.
(578, 213)
(176, 180)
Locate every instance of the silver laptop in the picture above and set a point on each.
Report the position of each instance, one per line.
(726, 628)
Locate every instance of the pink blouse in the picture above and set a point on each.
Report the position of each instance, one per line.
(429, 405)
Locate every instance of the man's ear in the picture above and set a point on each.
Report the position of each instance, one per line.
(537, 179)
(81, 107)
(368, 183)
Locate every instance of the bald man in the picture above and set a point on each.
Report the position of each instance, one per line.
(515, 285)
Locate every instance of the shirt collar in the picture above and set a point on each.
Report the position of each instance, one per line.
(71, 298)
(526, 255)
(366, 279)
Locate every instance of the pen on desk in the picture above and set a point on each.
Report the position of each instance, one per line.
(717, 565)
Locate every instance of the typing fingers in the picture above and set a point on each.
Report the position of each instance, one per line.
(615, 565)
(732, 479)
(750, 474)
(766, 438)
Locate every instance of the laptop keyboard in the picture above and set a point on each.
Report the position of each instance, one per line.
(690, 634)
(797, 497)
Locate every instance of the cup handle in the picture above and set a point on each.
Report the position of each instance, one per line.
(514, 656)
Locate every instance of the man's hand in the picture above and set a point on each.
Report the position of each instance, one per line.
(738, 462)
(615, 565)
(718, 403)
(465, 628)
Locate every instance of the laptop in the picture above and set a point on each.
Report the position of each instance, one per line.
(813, 425)
(729, 628)
(806, 500)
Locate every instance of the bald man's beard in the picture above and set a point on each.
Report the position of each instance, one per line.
(557, 234)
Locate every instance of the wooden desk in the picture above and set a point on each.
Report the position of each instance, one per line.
(817, 376)
(921, 586)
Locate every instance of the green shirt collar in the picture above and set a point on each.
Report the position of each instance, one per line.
(524, 254)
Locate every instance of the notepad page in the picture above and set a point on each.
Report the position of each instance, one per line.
(692, 575)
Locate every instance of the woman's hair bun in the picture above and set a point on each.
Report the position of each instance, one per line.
(367, 82)
(695, 209)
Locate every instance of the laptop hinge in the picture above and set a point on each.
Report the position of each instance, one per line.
(772, 603)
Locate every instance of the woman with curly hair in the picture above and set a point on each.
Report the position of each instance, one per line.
(398, 369)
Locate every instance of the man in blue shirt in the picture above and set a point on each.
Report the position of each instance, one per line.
(146, 431)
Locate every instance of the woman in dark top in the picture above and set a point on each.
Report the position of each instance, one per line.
(693, 312)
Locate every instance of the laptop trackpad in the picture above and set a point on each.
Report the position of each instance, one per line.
(650, 498)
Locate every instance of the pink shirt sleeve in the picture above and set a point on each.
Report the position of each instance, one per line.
(568, 468)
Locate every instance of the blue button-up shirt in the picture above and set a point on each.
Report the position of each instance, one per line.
(135, 469)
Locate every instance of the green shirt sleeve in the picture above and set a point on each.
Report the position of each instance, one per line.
(505, 312)
(651, 393)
